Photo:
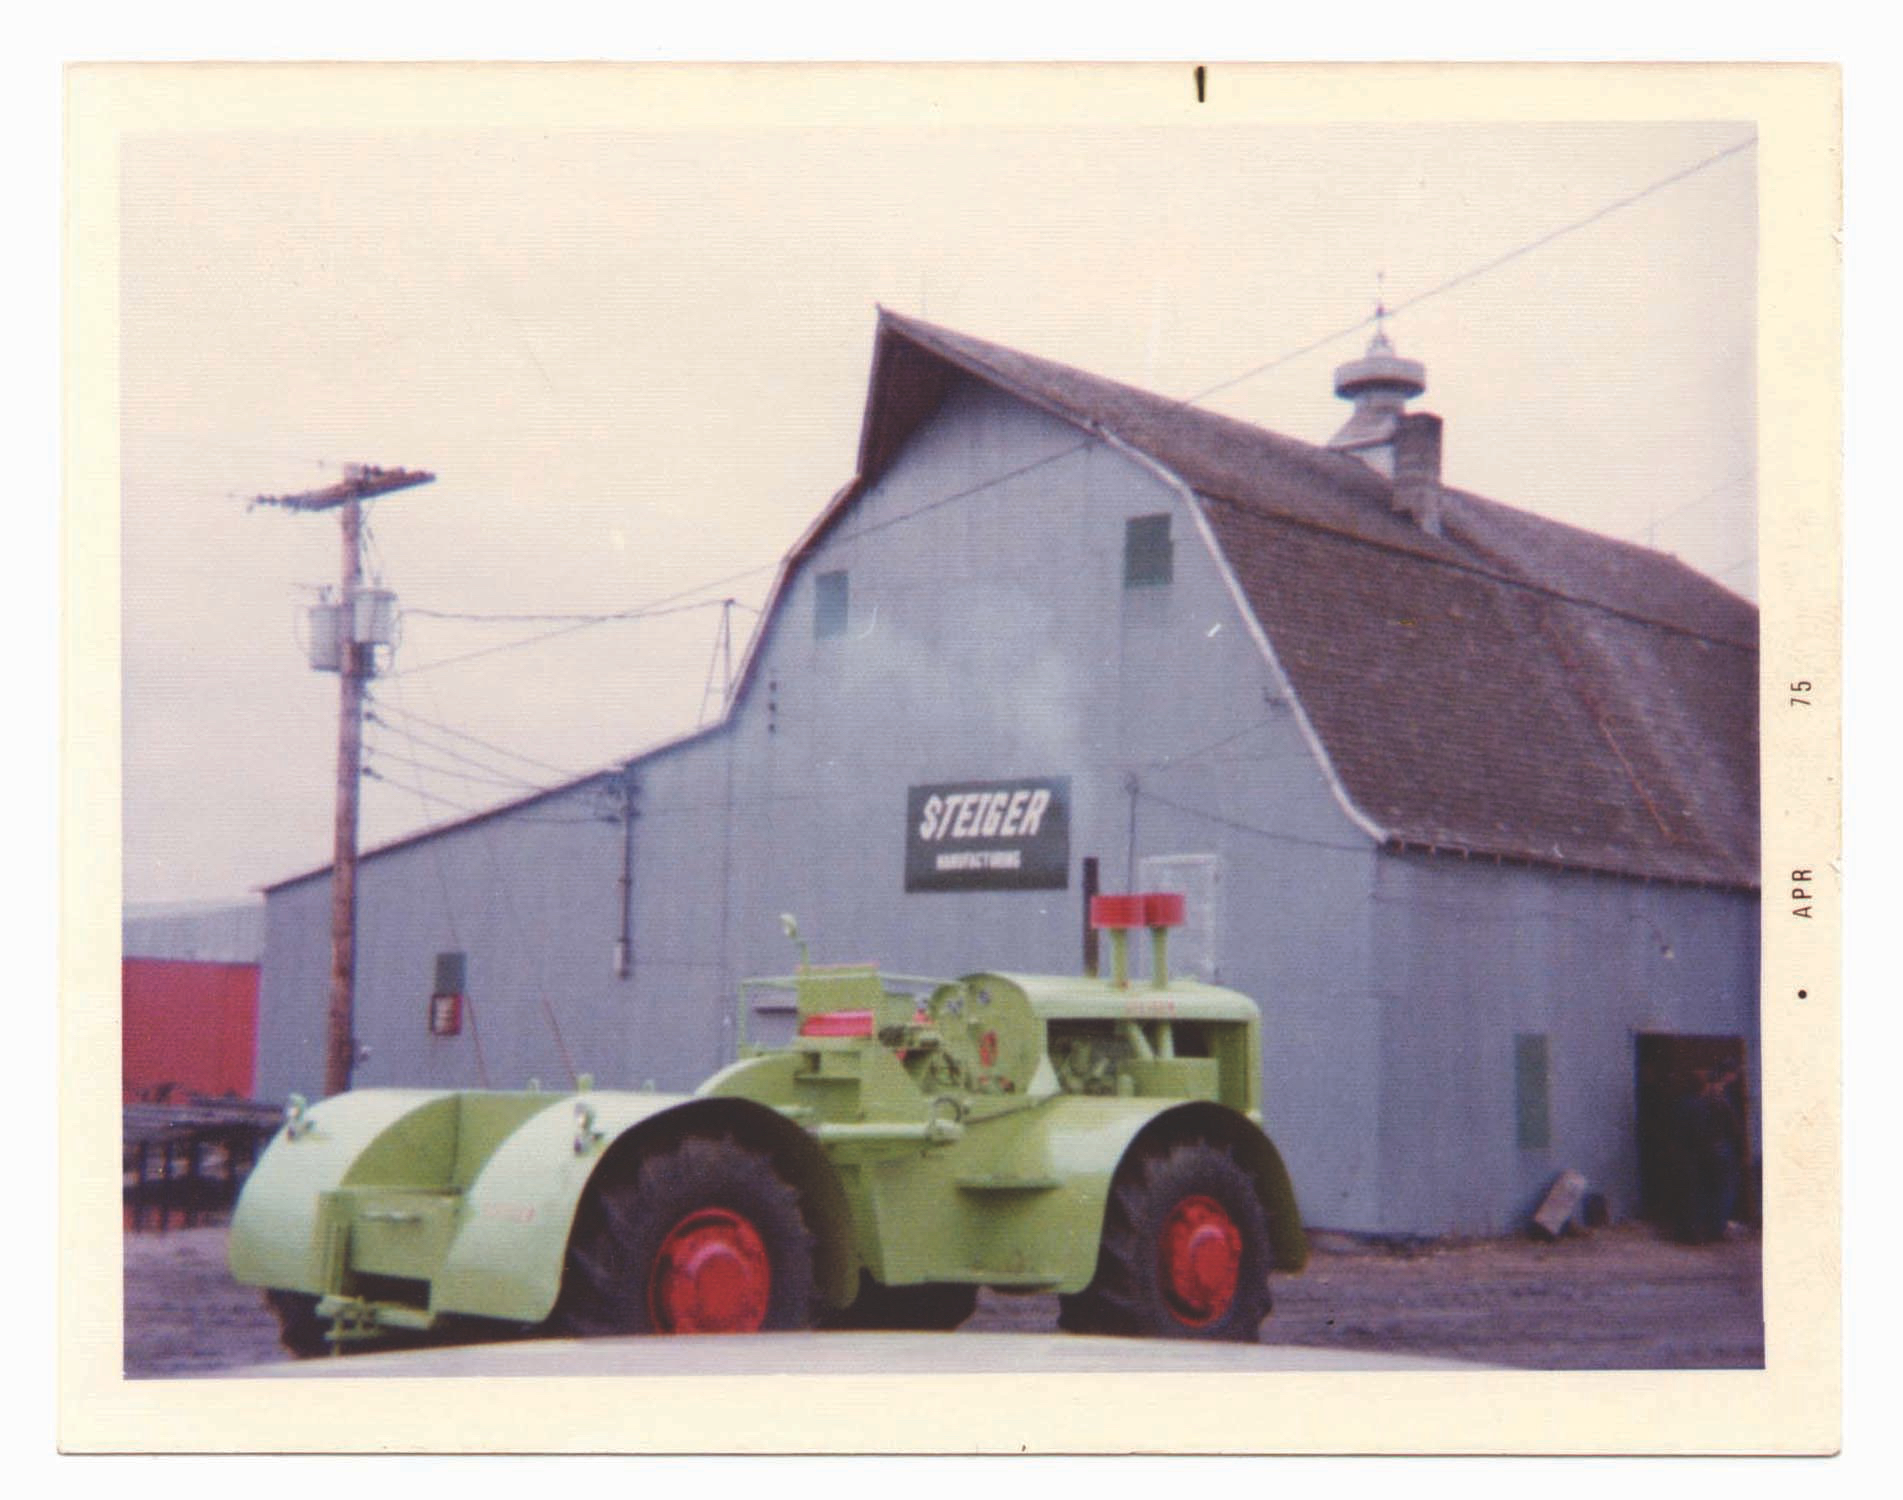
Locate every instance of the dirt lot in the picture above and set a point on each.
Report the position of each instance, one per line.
(1619, 1298)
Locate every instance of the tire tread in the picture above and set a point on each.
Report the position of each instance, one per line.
(1123, 1298)
(621, 1223)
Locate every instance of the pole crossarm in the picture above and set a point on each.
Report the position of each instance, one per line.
(360, 482)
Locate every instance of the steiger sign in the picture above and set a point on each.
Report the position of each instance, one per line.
(989, 835)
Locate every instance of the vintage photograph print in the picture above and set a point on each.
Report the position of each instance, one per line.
(1175, 723)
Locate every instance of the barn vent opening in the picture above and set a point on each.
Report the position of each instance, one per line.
(1148, 555)
(830, 601)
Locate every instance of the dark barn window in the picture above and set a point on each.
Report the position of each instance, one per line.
(829, 605)
(1147, 555)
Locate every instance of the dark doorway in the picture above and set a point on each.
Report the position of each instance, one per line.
(1695, 1171)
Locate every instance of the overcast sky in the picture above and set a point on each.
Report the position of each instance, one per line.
(637, 361)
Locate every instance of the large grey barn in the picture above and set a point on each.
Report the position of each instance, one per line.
(1466, 799)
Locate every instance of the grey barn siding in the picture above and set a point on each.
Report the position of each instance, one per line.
(994, 637)
(1469, 955)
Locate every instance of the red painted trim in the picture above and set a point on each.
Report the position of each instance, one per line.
(838, 1023)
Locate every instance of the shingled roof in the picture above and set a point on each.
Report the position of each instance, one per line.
(1512, 688)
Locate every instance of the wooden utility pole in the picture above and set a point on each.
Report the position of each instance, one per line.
(356, 664)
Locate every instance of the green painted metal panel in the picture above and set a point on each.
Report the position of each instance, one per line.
(275, 1239)
(506, 1259)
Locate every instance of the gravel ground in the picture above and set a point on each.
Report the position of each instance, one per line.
(1619, 1298)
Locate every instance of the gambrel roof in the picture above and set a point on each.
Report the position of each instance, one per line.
(1511, 688)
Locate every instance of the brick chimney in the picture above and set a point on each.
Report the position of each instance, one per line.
(1417, 469)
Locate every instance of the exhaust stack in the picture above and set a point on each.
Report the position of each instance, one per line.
(1157, 910)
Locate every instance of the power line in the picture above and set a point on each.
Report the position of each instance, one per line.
(522, 936)
(651, 612)
(1492, 265)
(1280, 838)
(1716, 490)
(432, 800)
(1315, 344)
(372, 552)
(437, 798)
(1281, 359)
(426, 742)
(508, 898)
(1171, 760)
(599, 617)
(404, 713)
(507, 783)
(1594, 217)
(449, 916)
(965, 494)
(583, 622)
(489, 763)
(442, 881)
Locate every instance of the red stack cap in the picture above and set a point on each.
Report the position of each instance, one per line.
(1116, 911)
(1163, 909)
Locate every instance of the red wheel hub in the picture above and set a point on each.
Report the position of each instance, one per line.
(1199, 1260)
(711, 1275)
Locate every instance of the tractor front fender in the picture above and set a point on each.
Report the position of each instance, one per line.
(483, 1186)
(506, 1258)
(1258, 1156)
(1083, 1143)
(476, 1193)
(275, 1240)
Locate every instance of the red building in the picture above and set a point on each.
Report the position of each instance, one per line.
(189, 1028)
(189, 1003)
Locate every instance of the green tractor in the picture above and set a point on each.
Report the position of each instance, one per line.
(916, 1141)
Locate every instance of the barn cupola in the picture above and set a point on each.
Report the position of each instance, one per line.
(1401, 445)
(1380, 384)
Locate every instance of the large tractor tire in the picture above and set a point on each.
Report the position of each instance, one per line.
(933, 1307)
(1185, 1251)
(706, 1238)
